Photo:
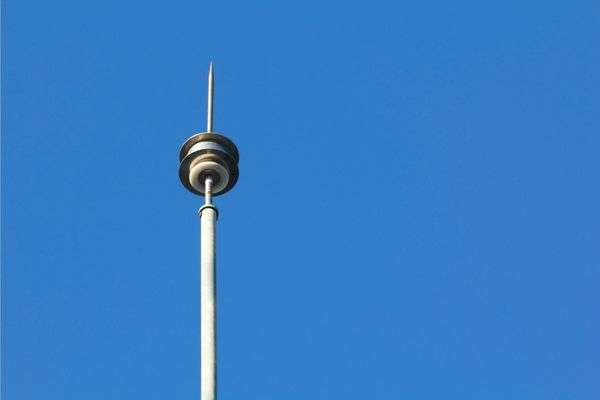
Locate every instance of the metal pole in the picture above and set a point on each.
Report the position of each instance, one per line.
(208, 337)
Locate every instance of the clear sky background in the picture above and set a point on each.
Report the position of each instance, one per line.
(416, 216)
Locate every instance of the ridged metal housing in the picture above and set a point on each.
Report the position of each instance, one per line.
(209, 146)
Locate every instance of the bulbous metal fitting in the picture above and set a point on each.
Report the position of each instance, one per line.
(208, 153)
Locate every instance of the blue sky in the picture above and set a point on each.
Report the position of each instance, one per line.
(416, 215)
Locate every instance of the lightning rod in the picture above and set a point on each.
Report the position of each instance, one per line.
(208, 167)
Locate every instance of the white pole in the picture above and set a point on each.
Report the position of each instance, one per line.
(208, 337)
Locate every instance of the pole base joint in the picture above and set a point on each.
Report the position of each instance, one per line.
(211, 206)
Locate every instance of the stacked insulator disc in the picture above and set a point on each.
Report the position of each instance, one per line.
(208, 154)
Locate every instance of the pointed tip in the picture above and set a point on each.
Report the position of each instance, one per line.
(209, 111)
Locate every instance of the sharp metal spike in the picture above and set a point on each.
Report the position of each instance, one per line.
(209, 110)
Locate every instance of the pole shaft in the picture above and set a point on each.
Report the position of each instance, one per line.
(208, 337)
